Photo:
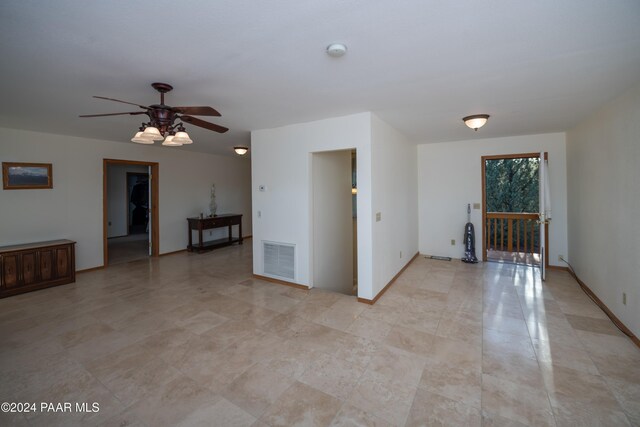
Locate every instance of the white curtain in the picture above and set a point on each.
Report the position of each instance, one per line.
(547, 191)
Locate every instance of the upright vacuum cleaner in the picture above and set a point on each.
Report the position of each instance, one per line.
(469, 240)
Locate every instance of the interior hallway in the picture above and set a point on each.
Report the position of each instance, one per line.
(128, 248)
(191, 339)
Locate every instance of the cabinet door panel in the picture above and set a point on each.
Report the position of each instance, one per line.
(62, 262)
(46, 265)
(28, 268)
(10, 271)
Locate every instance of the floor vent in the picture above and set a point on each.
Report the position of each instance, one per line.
(279, 260)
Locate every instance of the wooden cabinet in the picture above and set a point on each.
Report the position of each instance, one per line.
(219, 221)
(32, 266)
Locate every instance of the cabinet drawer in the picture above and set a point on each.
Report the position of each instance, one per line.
(29, 268)
(10, 271)
(46, 265)
(63, 262)
(214, 222)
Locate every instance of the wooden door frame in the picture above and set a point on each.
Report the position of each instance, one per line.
(154, 182)
(484, 199)
(128, 195)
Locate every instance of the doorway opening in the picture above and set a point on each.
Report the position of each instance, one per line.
(334, 221)
(130, 213)
(510, 211)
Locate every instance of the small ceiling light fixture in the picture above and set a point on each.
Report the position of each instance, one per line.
(240, 151)
(476, 121)
(336, 50)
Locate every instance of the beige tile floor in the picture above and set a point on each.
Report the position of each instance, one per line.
(193, 340)
(128, 248)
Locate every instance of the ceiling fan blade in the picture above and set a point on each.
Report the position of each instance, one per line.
(197, 111)
(134, 113)
(203, 124)
(124, 102)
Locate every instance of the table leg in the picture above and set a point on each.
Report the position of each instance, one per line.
(240, 232)
(200, 236)
(190, 247)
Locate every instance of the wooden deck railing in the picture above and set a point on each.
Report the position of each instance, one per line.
(513, 232)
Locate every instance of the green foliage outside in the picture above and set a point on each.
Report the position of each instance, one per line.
(512, 185)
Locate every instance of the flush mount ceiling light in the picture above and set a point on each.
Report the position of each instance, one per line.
(336, 50)
(165, 122)
(476, 121)
(241, 151)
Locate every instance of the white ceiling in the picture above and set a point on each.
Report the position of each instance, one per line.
(535, 66)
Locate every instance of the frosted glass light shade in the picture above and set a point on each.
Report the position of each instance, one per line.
(476, 121)
(152, 133)
(169, 142)
(141, 139)
(241, 151)
(182, 138)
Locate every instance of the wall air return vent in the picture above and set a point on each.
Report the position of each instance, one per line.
(279, 260)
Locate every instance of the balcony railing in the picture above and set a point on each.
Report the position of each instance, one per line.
(517, 233)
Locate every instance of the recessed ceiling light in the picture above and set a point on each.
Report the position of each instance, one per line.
(336, 50)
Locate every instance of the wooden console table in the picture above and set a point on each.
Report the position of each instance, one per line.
(32, 266)
(218, 221)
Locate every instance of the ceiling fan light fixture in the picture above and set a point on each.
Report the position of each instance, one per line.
(141, 139)
(182, 137)
(162, 120)
(169, 142)
(153, 133)
(476, 121)
(241, 151)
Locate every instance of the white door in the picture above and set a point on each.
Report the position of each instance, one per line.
(149, 225)
(545, 211)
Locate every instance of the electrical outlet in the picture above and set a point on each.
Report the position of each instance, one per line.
(560, 257)
(624, 298)
(400, 254)
(453, 242)
(262, 187)
(259, 214)
(378, 216)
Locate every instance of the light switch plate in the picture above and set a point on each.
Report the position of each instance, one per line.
(476, 206)
(378, 216)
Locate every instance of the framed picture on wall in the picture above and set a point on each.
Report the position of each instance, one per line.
(23, 176)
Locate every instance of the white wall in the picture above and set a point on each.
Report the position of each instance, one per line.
(332, 221)
(117, 202)
(281, 161)
(386, 176)
(603, 157)
(73, 208)
(449, 177)
(394, 183)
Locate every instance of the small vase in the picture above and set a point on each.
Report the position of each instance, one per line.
(213, 206)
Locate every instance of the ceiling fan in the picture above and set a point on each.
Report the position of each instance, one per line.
(162, 119)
